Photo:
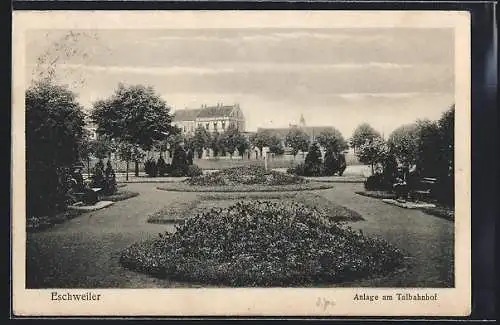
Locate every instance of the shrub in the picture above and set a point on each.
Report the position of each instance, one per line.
(150, 168)
(161, 167)
(375, 182)
(246, 175)
(262, 243)
(98, 179)
(109, 180)
(313, 161)
(179, 162)
(194, 171)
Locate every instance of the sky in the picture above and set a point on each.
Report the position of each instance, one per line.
(333, 77)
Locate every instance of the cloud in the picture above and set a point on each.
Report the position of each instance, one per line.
(234, 67)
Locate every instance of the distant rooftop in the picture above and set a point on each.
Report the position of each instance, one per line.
(204, 112)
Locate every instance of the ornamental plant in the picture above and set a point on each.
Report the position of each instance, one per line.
(263, 243)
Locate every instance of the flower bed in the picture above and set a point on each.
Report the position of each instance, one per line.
(262, 243)
(183, 187)
(245, 175)
(34, 224)
(179, 211)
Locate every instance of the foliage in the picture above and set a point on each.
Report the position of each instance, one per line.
(98, 179)
(216, 143)
(362, 134)
(161, 166)
(54, 129)
(403, 143)
(110, 186)
(194, 171)
(334, 162)
(102, 147)
(275, 146)
(150, 168)
(134, 114)
(245, 175)
(428, 147)
(313, 162)
(179, 162)
(332, 140)
(201, 140)
(372, 151)
(262, 243)
(264, 138)
(297, 139)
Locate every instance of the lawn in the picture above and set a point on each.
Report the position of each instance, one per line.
(192, 205)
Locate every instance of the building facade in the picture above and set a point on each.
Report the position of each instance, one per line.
(213, 118)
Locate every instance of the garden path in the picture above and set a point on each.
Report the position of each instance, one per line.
(84, 252)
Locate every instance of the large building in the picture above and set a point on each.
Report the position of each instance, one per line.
(212, 118)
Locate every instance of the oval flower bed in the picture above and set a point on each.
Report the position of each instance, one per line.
(245, 175)
(262, 243)
(244, 179)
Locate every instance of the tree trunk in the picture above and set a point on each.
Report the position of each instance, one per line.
(126, 170)
(373, 172)
(88, 167)
(136, 168)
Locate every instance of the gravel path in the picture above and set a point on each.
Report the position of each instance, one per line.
(84, 252)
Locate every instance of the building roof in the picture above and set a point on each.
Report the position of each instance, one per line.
(204, 112)
(309, 130)
(216, 111)
(186, 114)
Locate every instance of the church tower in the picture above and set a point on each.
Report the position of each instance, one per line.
(302, 121)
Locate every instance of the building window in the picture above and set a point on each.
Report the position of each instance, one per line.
(208, 126)
(215, 126)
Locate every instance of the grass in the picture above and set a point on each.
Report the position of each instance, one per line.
(440, 211)
(120, 195)
(437, 211)
(377, 194)
(194, 205)
(183, 187)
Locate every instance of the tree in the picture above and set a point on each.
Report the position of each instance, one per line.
(232, 139)
(261, 139)
(297, 139)
(133, 114)
(372, 152)
(275, 145)
(242, 144)
(54, 130)
(201, 140)
(129, 152)
(332, 139)
(216, 143)
(85, 149)
(404, 143)
(428, 148)
(364, 132)
(313, 161)
(445, 165)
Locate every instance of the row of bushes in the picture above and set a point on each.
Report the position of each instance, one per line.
(182, 165)
(314, 165)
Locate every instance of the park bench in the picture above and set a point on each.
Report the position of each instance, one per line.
(82, 196)
(425, 189)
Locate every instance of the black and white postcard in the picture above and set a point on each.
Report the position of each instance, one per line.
(241, 163)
